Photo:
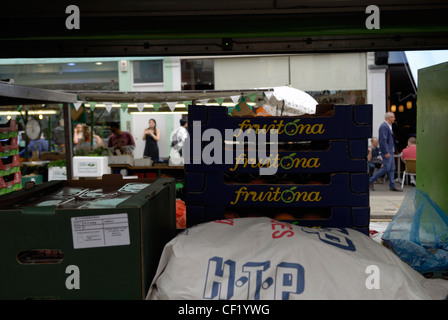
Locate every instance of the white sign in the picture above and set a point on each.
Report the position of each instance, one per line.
(100, 231)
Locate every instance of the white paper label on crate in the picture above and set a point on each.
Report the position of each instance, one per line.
(86, 167)
(100, 231)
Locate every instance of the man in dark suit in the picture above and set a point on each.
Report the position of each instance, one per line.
(387, 148)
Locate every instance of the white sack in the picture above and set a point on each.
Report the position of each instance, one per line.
(261, 258)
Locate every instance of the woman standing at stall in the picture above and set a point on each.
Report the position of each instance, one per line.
(151, 135)
(87, 143)
(77, 135)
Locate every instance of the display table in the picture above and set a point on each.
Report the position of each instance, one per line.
(158, 170)
(34, 163)
(35, 168)
(158, 167)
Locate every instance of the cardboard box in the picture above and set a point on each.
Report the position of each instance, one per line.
(8, 130)
(124, 159)
(144, 162)
(85, 239)
(11, 149)
(321, 164)
(10, 183)
(9, 165)
(36, 178)
(90, 166)
(52, 156)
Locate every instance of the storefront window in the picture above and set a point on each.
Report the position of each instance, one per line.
(339, 96)
(148, 71)
(64, 76)
(198, 74)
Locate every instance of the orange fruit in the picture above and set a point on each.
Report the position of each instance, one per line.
(284, 216)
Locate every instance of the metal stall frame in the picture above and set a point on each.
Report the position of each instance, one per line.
(19, 95)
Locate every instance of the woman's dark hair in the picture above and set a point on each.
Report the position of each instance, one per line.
(114, 125)
(155, 124)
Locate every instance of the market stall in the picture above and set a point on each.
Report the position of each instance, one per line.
(244, 258)
(23, 99)
(137, 107)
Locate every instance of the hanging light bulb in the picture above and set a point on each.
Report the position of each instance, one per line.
(400, 108)
(393, 108)
(409, 104)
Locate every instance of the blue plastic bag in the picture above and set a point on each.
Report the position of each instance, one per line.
(418, 233)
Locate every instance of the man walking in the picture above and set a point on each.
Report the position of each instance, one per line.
(387, 148)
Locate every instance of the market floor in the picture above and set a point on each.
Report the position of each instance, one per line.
(384, 203)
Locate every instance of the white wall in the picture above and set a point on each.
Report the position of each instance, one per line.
(165, 122)
(333, 71)
(308, 72)
(376, 92)
(251, 72)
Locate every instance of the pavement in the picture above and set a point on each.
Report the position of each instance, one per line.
(384, 203)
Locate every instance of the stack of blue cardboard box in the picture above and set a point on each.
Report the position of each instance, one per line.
(314, 166)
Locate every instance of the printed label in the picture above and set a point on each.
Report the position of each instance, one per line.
(276, 194)
(257, 280)
(286, 162)
(291, 128)
(100, 231)
(87, 167)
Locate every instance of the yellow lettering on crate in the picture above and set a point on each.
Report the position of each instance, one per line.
(291, 128)
(287, 162)
(276, 195)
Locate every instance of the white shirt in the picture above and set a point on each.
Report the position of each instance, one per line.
(389, 125)
(181, 136)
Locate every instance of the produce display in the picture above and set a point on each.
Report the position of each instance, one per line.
(10, 175)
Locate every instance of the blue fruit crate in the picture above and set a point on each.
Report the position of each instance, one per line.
(342, 189)
(329, 122)
(325, 157)
(335, 217)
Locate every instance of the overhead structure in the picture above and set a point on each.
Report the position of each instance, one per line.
(181, 28)
(168, 99)
(18, 95)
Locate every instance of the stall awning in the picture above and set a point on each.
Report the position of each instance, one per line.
(17, 95)
(163, 96)
(166, 98)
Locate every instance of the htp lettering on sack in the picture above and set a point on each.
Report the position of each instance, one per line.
(252, 280)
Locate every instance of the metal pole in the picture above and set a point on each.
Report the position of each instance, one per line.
(26, 136)
(92, 126)
(49, 134)
(68, 141)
